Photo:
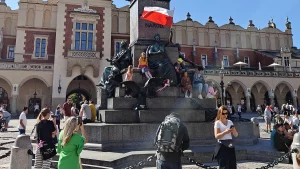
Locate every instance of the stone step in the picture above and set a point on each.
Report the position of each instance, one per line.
(118, 103)
(180, 103)
(119, 116)
(141, 135)
(54, 164)
(157, 116)
(120, 159)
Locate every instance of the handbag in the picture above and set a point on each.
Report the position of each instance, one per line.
(47, 150)
(227, 143)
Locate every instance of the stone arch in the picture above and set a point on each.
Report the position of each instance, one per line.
(34, 90)
(263, 83)
(228, 41)
(238, 82)
(34, 77)
(83, 85)
(258, 45)
(237, 92)
(6, 81)
(184, 37)
(47, 18)
(115, 24)
(8, 26)
(281, 93)
(206, 39)
(30, 17)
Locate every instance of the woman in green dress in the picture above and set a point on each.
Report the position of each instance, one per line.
(70, 144)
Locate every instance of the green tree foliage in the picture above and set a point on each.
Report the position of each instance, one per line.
(75, 98)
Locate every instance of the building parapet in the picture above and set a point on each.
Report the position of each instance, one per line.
(26, 66)
(252, 73)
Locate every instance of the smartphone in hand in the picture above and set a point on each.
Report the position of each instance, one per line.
(232, 126)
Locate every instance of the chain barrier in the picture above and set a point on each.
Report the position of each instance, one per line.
(279, 160)
(270, 165)
(141, 163)
(197, 163)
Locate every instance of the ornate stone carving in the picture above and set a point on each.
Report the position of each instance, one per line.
(85, 8)
(83, 63)
(84, 54)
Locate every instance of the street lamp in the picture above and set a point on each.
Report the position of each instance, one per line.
(59, 87)
(222, 83)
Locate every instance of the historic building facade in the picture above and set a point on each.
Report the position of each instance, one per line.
(51, 49)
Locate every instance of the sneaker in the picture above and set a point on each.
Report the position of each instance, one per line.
(200, 97)
(186, 96)
(126, 96)
(129, 96)
(191, 96)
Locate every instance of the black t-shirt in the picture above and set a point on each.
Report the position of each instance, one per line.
(44, 131)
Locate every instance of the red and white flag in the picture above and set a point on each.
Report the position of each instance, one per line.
(158, 15)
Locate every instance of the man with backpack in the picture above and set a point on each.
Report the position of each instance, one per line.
(171, 139)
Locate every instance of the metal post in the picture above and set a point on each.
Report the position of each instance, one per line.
(222, 86)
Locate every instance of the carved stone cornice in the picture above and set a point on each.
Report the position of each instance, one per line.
(24, 66)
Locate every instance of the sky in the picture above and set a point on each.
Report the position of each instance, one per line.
(260, 11)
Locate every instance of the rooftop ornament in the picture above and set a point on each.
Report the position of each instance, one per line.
(210, 19)
(251, 23)
(188, 17)
(231, 21)
(288, 24)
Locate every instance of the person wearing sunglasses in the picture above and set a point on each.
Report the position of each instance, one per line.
(223, 130)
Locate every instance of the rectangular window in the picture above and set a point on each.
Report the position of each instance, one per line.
(204, 60)
(84, 36)
(246, 60)
(225, 61)
(286, 61)
(40, 47)
(11, 52)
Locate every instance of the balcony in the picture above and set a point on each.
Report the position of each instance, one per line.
(84, 54)
(83, 59)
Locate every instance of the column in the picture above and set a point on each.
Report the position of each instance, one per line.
(295, 101)
(248, 103)
(272, 100)
(13, 105)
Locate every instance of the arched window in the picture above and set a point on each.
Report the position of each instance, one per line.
(30, 17)
(184, 38)
(128, 25)
(115, 24)
(196, 37)
(277, 43)
(248, 41)
(206, 39)
(227, 37)
(7, 26)
(47, 18)
(258, 45)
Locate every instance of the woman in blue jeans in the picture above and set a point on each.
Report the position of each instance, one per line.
(199, 82)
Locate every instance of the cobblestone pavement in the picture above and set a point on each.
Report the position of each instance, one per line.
(7, 139)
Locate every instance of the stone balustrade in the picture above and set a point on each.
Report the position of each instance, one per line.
(26, 66)
(253, 73)
(84, 54)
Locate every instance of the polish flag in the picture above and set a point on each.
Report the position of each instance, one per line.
(158, 15)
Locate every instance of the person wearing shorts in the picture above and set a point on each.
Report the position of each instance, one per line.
(5, 116)
(267, 117)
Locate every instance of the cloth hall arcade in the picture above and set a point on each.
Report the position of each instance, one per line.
(51, 49)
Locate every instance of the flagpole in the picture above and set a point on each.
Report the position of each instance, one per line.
(171, 33)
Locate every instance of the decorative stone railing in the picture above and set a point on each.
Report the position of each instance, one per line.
(253, 73)
(26, 66)
(84, 54)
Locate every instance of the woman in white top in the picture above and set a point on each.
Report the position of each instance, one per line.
(223, 129)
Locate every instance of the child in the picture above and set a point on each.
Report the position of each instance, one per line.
(57, 116)
(143, 65)
(5, 115)
(128, 77)
(186, 85)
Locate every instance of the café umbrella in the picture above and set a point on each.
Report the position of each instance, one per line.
(274, 65)
(240, 64)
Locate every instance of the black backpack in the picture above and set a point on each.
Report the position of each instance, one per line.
(167, 135)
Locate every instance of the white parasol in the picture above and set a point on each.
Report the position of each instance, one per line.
(259, 66)
(274, 65)
(240, 64)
